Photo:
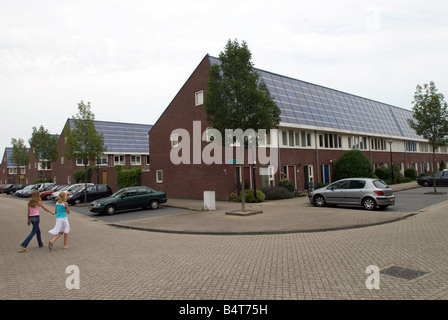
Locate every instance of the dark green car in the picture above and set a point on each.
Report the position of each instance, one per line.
(129, 198)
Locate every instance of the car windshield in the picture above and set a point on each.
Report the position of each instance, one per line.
(119, 193)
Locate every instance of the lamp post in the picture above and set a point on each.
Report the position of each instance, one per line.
(391, 163)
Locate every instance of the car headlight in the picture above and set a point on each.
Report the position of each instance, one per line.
(95, 205)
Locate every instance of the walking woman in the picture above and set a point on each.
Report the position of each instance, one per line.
(34, 219)
(62, 226)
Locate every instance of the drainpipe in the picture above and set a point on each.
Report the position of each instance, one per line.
(317, 157)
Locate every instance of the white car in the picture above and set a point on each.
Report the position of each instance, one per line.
(68, 190)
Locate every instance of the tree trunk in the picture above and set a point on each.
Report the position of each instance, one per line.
(243, 193)
(434, 168)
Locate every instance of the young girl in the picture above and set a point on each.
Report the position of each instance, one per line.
(33, 218)
(62, 226)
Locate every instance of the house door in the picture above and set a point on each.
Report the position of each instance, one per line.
(326, 173)
(247, 178)
(290, 172)
(308, 175)
(104, 177)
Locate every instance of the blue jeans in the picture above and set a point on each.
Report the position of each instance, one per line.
(35, 231)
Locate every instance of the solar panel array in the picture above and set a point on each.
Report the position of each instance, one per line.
(8, 151)
(303, 103)
(123, 137)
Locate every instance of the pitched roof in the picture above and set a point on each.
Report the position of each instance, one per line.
(123, 137)
(304, 103)
(8, 151)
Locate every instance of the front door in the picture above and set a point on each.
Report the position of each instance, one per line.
(326, 173)
(308, 174)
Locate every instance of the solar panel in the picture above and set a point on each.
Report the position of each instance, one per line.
(309, 104)
(123, 137)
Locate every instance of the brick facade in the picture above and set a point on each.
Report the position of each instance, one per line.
(191, 180)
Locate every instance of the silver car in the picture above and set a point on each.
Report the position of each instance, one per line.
(366, 192)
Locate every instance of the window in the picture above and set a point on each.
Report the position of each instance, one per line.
(291, 138)
(199, 98)
(62, 160)
(284, 138)
(136, 160)
(119, 160)
(159, 176)
(174, 138)
(357, 184)
(102, 160)
(80, 162)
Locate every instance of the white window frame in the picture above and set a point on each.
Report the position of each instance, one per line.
(199, 98)
(102, 160)
(159, 176)
(136, 160)
(174, 139)
(119, 162)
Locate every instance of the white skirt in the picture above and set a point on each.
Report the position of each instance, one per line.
(62, 225)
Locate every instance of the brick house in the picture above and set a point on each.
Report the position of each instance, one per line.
(9, 172)
(317, 126)
(127, 145)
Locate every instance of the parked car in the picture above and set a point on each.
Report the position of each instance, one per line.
(94, 192)
(129, 198)
(366, 192)
(441, 179)
(27, 191)
(46, 195)
(68, 190)
(11, 188)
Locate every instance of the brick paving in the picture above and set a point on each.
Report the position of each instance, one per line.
(123, 263)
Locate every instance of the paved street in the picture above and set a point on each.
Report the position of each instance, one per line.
(122, 263)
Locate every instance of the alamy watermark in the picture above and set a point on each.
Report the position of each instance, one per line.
(72, 281)
(262, 147)
(373, 280)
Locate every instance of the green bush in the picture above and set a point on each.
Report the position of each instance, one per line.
(80, 175)
(277, 193)
(410, 173)
(249, 196)
(128, 178)
(385, 174)
(286, 183)
(353, 164)
(405, 179)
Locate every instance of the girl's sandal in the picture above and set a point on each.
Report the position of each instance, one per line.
(23, 250)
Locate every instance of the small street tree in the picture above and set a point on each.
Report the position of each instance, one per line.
(45, 146)
(430, 118)
(237, 98)
(19, 155)
(84, 143)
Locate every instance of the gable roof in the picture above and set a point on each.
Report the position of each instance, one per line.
(123, 137)
(306, 104)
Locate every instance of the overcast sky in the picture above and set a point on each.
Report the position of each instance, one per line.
(130, 58)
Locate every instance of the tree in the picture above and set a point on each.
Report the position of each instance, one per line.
(19, 155)
(430, 118)
(84, 143)
(237, 98)
(44, 145)
(353, 164)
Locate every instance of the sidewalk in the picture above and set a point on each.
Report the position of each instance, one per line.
(280, 216)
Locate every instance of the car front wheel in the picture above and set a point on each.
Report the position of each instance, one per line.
(110, 210)
(319, 201)
(369, 204)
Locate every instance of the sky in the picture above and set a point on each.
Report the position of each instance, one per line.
(130, 58)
